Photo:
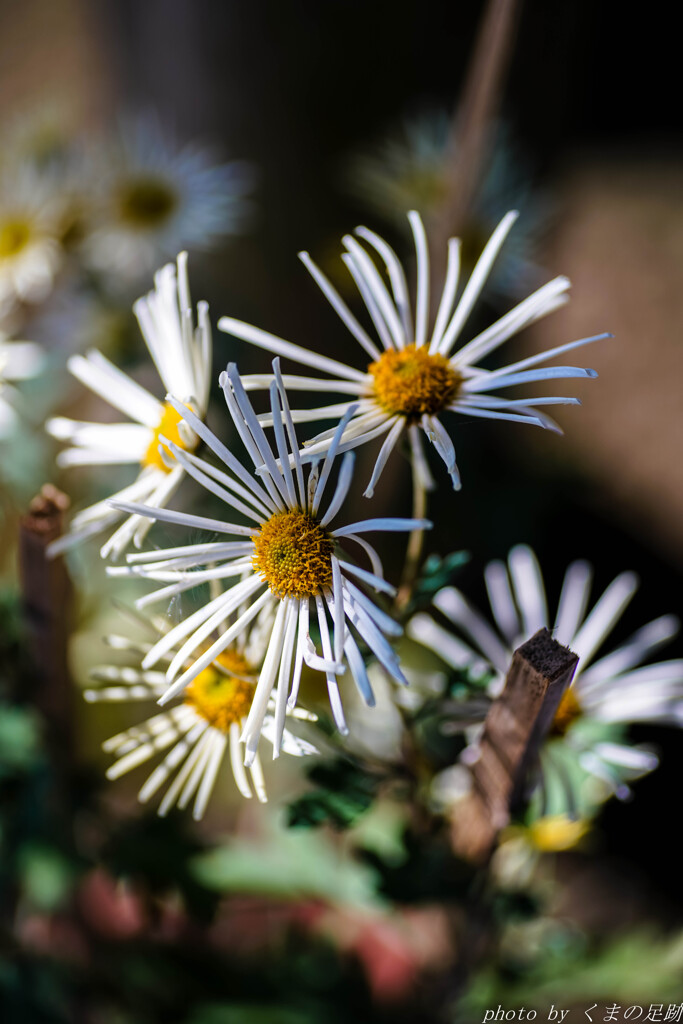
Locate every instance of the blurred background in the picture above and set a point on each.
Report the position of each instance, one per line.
(324, 116)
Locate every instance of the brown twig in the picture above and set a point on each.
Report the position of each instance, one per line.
(46, 594)
(474, 115)
(515, 727)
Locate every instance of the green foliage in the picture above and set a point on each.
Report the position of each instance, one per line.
(437, 572)
(245, 1013)
(156, 852)
(20, 747)
(46, 876)
(290, 865)
(427, 873)
(344, 791)
(563, 968)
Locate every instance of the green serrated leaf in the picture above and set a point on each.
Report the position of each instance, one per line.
(343, 793)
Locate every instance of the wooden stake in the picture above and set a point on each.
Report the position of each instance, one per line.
(46, 592)
(515, 728)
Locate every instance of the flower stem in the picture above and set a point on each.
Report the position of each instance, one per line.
(415, 544)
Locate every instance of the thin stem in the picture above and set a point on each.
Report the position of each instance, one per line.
(415, 544)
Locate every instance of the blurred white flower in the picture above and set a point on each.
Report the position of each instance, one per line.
(198, 731)
(40, 135)
(411, 379)
(182, 355)
(31, 220)
(19, 360)
(612, 690)
(151, 197)
(409, 168)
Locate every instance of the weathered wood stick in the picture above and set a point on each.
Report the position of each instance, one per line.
(46, 595)
(515, 727)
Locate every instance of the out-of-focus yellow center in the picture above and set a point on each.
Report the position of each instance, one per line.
(410, 382)
(294, 554)
(567, 713)
(168, 428)
(222, 699)
(146, 202)
(14, 236)
(473, 239)
(557, 832)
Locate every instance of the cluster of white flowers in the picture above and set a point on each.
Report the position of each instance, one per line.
(82, 219)
(615, 689)
(113, 205)
(285, 593)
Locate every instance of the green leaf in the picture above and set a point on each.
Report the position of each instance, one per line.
(19, 739)
(343, 793)
(46, 876)
(287, 865)
(436, 573)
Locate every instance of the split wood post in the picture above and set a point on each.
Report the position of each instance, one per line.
(46, 597)
(518, 721)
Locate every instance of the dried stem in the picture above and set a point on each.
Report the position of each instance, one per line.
(475, 113)
(415, 544)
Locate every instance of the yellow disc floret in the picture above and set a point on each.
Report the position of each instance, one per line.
(567, 713)
(294, 554)
(168, 428)
(410, 382)
(146, 202)
(222, 695)
(15, 236)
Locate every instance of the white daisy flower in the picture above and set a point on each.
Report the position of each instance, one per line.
(288, 558)
(19, 360)
(30, 249)
(182, 355)
(152, 198)
(198, 731)
(615, 689)
(411, 378)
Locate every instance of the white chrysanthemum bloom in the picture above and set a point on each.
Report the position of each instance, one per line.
(617, 688)
(198, 731)
(288, 558)
(182, 355)
(152, 197)
(411, 378)
(19, 360)
(30, 248)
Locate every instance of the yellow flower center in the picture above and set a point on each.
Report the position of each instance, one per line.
(14, 236)
(169, 427)
(556, 832)
(411, 382)
(567, 713)
(294, 554)
(146, 202)
(222, 697)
